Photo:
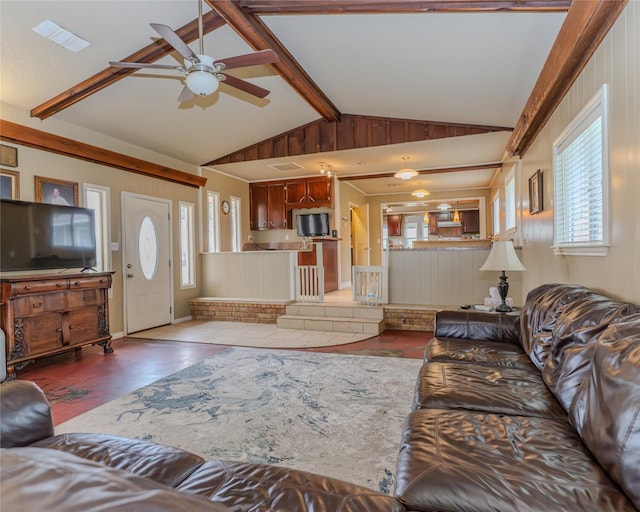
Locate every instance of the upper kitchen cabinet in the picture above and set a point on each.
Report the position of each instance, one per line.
(470, 221)
(309, 193)
(267, 206)
(394, 225)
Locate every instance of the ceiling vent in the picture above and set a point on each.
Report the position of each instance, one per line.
(288, 166)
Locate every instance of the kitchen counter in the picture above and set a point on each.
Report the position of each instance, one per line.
(452, 244)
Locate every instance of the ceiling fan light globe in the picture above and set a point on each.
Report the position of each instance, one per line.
(202, 82)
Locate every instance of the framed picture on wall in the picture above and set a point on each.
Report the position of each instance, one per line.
(8, 156)
(535, 193)
(9, 184)
(49, 190)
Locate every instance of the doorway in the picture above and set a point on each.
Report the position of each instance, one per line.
(359, 234)
(146, 260)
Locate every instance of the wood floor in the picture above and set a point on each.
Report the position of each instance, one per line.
(81, 380)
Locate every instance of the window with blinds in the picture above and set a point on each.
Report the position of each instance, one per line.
(581, 182)
(496, 214)
(510, 201)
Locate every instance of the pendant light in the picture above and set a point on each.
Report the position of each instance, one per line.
(406, 173)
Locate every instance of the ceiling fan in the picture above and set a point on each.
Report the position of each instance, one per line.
(204, 73)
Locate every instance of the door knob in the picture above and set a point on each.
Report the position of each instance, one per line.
(128, 265)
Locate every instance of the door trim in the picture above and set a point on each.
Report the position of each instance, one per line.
(169, 203)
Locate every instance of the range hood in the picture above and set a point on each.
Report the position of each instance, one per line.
(449, 224)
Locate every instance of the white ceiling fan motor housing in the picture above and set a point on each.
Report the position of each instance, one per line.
(201, 76)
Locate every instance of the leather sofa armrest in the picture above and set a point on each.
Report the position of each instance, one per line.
(25, 414)
(477, 325)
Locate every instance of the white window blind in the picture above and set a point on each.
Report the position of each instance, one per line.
(187, 246)
(510, 201)
(581, 184)
(236, 225)
(496, 214)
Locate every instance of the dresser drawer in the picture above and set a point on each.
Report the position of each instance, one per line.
(31, 287)
(90, 282)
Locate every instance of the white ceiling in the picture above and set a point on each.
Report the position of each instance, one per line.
(476, 68)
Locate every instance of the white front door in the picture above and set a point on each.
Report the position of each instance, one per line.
(146, 257)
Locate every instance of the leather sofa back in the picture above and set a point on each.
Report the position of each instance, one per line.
(25, 414)
(477, 326)
(606, 409)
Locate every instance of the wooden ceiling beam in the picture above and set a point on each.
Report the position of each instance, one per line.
(45, 141)
(441, 170)
(259, 7)
(259, 37)
(584, 28)
(110, 75)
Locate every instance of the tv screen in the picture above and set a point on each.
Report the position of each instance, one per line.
(313, 224)
(45, 236)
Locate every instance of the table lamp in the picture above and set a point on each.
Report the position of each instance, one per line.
(503, 257)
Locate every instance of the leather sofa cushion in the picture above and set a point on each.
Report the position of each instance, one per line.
(54, 481)
(483, 388)
(161, 463)
(248, 487)
(606, 409)
(573, 342)
(538, 318)
(491, 353)
(25, 414)
(466, 461)
(477, 325)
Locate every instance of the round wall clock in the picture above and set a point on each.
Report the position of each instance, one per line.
(225, 207)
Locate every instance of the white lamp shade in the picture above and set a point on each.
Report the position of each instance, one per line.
(503, 257)
(202, 82)
(406, 174)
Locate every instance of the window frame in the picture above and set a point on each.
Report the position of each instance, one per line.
(596, 107)
(213, 221)
(510, 198)
(495, 210)
(104, 217)
(235, 218)
(187, 244)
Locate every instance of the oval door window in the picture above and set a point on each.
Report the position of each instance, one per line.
(148, 248)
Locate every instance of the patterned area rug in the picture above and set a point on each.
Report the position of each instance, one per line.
(337, 415)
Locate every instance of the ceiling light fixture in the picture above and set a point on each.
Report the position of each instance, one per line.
(201, 78)
(420, 193)
(326, 169)
(444, 206)
(406, 173)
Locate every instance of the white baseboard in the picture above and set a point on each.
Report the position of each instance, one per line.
(181, 319)
(117, 335)
(346, 284)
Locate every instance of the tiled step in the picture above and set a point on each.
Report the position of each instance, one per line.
(336, 311)
(352, 324)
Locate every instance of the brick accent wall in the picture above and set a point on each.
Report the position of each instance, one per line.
(236, 311)
(409, 318)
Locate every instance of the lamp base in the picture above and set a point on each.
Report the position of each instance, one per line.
(503, 290)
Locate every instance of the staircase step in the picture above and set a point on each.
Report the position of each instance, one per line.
(336, 311)
(371, 326)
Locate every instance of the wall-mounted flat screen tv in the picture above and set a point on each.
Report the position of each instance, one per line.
(37, 236)
(313, 224)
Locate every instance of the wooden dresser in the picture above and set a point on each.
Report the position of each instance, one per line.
(43, 315)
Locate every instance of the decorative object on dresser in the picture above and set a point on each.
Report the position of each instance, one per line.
(43, 315)
(61, 192)
(535, 193)
(503, 257)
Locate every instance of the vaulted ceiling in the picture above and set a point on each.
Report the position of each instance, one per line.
(359, 86)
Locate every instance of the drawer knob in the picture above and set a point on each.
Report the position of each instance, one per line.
(27, 287)
(37, 305)
(59, 285)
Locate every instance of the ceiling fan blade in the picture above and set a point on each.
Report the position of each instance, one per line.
(244, 86)
(186, 95)
(174, 40)
(142, 65)
(250, 59)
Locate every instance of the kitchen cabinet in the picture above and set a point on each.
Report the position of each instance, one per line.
(267, 206)
(309, 193)
(433, 223)
(394, 225)
(470, 221)
(44, 315)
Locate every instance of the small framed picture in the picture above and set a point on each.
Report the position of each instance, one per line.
(49, 190)
(9, 184)
(8, 156)
(535, 193)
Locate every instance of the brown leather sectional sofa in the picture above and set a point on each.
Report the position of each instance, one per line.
(536, 412)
